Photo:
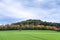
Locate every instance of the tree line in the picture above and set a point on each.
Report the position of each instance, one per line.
(31, 25)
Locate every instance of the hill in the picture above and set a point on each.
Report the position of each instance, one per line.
(38, 24)
(31, 24)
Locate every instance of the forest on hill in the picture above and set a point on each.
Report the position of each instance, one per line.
(31, 24)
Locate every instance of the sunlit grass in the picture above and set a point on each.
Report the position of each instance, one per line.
(29, 35)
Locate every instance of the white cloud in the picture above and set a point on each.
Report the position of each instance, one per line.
(40, 0)
(17, 10)
(37, 9)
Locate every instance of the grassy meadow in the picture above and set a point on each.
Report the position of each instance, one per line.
(29, 35)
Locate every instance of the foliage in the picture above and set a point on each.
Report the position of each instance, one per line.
(31, 25)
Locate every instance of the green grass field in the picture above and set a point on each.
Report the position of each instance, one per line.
(29, 35)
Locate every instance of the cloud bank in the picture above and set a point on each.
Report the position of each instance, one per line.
(18, 10)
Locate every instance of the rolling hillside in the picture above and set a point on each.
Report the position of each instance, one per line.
(31, 25)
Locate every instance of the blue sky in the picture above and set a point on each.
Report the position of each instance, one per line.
(18, 10)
